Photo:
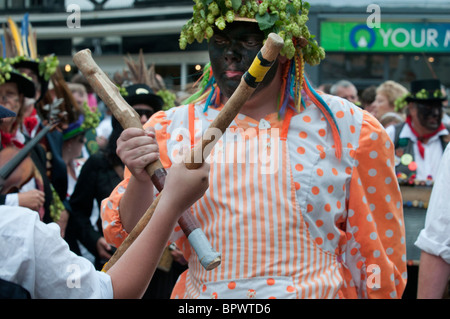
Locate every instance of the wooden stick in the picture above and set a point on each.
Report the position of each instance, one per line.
(128, 117)
(269, 52)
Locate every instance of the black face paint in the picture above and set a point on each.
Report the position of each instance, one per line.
(232, 51)
(430, 115)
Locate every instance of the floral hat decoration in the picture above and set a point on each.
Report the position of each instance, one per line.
(88, 120)
(9, 74)
(288, 19)
(422, 91)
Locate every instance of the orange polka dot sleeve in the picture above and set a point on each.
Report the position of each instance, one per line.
(113, 229)
(375, 228)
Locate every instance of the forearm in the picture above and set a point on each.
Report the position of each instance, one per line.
(434, 273)
(135, 201)
(132, 273)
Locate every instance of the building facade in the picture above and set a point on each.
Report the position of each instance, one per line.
(407, 40)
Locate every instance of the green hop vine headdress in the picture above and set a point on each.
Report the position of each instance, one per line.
(9, 73)
(423, 94)
(46, 66)
(287, 18)
(6, 68)
(86, 121)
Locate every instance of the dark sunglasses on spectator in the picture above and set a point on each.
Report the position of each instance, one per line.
(145, 112)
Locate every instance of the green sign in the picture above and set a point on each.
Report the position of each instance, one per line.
(389, 37)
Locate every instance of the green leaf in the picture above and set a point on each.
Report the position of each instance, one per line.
(290, 9)
(223, 8)
(267, 20)
(236, 4)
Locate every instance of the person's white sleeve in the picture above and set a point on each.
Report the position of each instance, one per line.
(12, 199)
(435, 237)
(36, 257)
(62, 274)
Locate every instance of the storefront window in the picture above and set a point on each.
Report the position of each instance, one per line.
(405, 68)
(372, 69)
(361, 69)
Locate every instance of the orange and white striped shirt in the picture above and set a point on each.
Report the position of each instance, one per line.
(289, 219)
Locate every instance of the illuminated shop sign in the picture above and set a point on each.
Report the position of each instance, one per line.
(390, 37)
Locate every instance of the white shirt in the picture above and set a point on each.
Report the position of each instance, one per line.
(433, 151)
(435, 237)
(36, 257)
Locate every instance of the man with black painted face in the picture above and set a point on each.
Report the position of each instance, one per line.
(308, 223)
(231, 53)
(421, 140)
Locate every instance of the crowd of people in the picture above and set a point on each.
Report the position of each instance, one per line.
(327, 222)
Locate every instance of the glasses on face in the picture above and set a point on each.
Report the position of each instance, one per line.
(141, 112)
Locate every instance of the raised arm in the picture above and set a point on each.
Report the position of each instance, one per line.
(132, 273)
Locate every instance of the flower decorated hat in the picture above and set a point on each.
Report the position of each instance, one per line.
(21, 46)
(426, 91)
(9, 74)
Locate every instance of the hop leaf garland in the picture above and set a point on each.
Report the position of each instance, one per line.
(423, 94)
(6, 68)
(91, 118)
(47, 67)
(56, 207)
(168, 98)
(5, 71)
(287, 18)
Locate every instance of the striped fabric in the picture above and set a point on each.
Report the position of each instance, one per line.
(250, 214)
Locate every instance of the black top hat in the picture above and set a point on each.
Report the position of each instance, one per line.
(426, 91)
(143, 94)
(33, 66)
(25, 85)
(4, 112)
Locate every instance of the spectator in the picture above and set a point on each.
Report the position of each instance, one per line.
(367, 97)
(422, 138)
(386, 95)
(35, 192)
(346, 90)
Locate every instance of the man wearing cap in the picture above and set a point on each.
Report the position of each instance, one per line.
(420, 141)
(144, 101)
(321, 219)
